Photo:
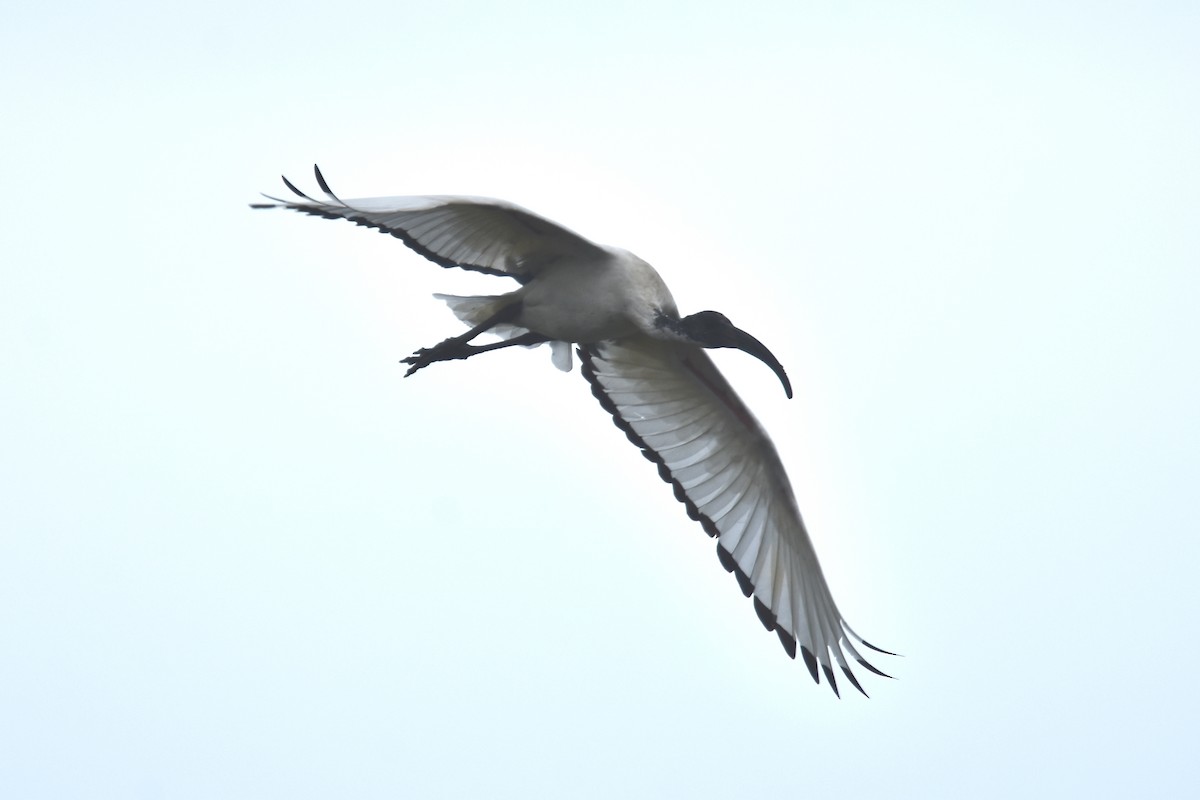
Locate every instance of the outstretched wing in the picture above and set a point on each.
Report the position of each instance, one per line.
(475, 233)
(672, 402)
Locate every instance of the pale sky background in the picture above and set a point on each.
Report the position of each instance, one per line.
(242, 557)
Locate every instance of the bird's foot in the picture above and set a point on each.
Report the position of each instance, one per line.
(448, 350)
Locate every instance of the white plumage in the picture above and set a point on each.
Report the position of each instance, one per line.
(648, 368)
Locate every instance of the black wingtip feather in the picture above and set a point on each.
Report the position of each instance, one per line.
(832, 683)
(810, 661)
(879, 672)
(787, 640)
(850, 675)
(321, 181)
(764, 614)
(295, 191)
(726, 558)
(880, 649)
(730, 565)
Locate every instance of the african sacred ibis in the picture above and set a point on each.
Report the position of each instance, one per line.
(648, 368)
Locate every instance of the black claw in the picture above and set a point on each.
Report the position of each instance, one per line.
(418, 360)
(449, 350)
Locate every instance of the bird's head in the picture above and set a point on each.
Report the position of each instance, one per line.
(713, 329)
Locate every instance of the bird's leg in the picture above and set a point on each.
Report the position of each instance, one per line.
(452, 349)
(457, 347)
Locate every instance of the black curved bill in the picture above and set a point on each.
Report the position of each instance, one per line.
(748, 344)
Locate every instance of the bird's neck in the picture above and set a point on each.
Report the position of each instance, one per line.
(670, 326)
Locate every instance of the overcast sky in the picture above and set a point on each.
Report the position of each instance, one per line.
(242, 557)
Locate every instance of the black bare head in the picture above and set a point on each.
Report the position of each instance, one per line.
(713, 329)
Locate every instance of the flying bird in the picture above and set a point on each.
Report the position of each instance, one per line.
(647, 366)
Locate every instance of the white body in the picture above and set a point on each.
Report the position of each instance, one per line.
(584, 301)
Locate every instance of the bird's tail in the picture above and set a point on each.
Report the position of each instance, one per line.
(474, 310)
